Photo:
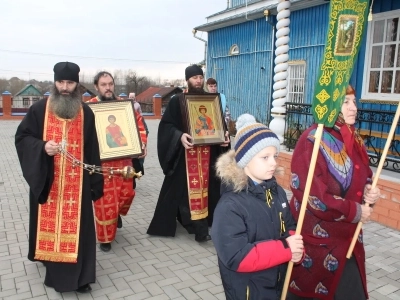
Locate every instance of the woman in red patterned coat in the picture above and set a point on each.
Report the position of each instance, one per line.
(340, 186)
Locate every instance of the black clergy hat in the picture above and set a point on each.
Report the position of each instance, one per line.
(193, 70)
(66, 71)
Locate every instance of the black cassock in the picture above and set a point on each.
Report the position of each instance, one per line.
(173, 201)
(38, 169)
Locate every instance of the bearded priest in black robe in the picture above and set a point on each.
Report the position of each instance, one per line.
(190, 201)
(61, 223)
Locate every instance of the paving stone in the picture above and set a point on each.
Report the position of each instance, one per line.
(168, 281)
(159, 297)
(120, 294)
(120, 284)
(154, 289)
(167, 273)
(387, 289)
(43, 297)
(394, 296)
(206, 295)
(189, 294)
(171, 292)
(104, 291)
(26, 295)
(7, 284)
(71, 296)
(202, 286)
(139, 296)
(104, 281)
(7, 293)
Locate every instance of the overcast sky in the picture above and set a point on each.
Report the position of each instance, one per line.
(141, 31)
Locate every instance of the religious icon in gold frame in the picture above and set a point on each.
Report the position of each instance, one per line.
(203, 119)
(117, 129)
(346, 32)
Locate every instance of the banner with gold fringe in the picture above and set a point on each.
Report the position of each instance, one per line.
(347, 21)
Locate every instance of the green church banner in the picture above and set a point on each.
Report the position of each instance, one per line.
(347, 20)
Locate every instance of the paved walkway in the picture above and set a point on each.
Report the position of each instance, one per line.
(140, 266)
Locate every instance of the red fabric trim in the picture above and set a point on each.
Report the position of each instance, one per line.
(265, 255)
(142, 129)
(197, 169)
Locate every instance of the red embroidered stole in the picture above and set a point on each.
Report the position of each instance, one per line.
(197, 169)
(59, 218)
(117, 199)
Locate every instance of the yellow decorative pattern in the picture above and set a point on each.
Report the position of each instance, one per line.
(323, 96)
(336, 94)
(321, 111)
(343, 92)
(332, 115)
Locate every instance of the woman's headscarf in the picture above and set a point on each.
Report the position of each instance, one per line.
(350, 135)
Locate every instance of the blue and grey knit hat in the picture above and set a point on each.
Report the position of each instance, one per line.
(251, 138)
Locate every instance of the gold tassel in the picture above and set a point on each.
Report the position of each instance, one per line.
(370, 11)
(269, 197)
(283, 228)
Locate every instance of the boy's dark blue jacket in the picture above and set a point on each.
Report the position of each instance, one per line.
(249, 234)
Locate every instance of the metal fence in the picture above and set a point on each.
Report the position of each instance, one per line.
(147, 108)
(373, 126)
(21, 107)
(298, 119)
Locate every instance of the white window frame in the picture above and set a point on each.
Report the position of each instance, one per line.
(366, 95)
(26, 101)
(294, 75)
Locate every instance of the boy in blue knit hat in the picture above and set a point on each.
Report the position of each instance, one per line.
(253, 229)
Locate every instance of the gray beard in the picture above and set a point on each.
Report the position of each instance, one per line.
(65, 106)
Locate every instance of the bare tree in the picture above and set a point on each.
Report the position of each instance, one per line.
(137, 83)
(173, 82)
(16, 85)
(4, 85)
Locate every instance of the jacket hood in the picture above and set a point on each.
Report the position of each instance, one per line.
(232, 176)
(230, 173)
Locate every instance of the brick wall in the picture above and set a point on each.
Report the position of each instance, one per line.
(387, 209)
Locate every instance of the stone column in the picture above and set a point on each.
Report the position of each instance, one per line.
(6, 95)
(278, 110)
(157, 105)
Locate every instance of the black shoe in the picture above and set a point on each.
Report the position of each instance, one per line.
(84, 289)
(105, 247)
(202, 239)
(119, 223)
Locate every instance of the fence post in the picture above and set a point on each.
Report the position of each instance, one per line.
(157, 104)
(86, 97)
(46, 95)
(6, 103)
(123, 96)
